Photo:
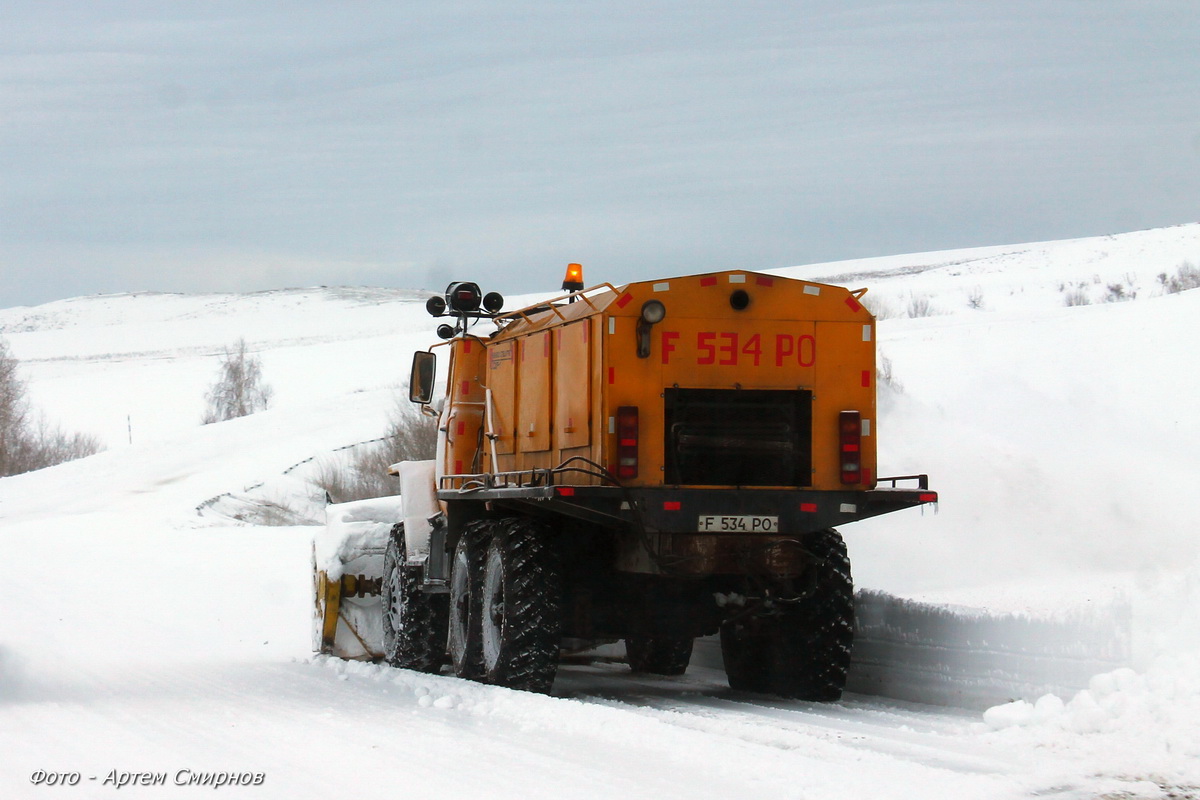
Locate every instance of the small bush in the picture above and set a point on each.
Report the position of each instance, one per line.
(884, 375)
(1077, 297)
(880, 307)
(975, 299)
(1186, 277)
(239, 389)
(411, 436)
(919, 305)
(1122, 291)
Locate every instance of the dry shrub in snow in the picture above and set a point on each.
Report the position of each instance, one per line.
(411, 436)
(1186, 277)
(27, 441)
(239, 389)
(880, 307)
(919, 305)
(886, 376)
(1076, 297)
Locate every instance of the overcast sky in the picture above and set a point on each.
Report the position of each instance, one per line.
(247, 145)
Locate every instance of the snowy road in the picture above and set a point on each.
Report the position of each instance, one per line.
(194, 657)
(336, 727)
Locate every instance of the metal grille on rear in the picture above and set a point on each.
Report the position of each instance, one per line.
(738, 437)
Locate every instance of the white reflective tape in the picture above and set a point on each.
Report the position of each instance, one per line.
(849, 508)
(866, 427)
(662, 287)
(612, 325)
(737, 278)
(866, 333)
(812, 290)
(612, 424)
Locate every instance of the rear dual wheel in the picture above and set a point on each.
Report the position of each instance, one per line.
(802, 650)
(466, 577)
(521, 608)
(659, 655)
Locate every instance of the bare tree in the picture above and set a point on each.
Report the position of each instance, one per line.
(28, 442)
(14, 411)
(239, 389)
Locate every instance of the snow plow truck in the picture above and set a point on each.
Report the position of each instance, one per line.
(651, 463)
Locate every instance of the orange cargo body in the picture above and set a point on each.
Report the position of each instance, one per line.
(741, 343)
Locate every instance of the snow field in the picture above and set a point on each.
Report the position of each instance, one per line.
(141, 634)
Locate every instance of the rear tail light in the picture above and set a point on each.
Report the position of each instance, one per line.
(627, 442)
(850, 446)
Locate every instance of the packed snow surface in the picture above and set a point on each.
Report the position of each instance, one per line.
(147, 629)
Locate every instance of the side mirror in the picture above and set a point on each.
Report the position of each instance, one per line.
(420, 382)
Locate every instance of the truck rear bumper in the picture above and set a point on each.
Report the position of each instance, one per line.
(698, 510)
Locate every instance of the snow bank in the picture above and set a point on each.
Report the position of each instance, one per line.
(975, 657)
(1141, 722)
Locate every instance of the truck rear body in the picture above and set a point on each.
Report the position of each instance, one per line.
(747, 410)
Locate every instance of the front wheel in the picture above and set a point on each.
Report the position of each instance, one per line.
(521, 609)
(414, 623)
(466, 574)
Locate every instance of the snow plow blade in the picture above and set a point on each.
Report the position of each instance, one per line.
(347, 566)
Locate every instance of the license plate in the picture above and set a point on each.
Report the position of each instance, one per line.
(738, 524)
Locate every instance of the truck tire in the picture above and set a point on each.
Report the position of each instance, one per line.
(803, 651)
(466, 577)
(414, 623)
(521, 609)
(813, 653)
(745, 649)
(659, 655)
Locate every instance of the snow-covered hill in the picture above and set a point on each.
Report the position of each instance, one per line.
(140, 636)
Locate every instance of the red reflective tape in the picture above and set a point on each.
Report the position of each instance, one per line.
(462, 427)
(708, 281)
(808, 508)
(671, 505)
(928, 497)
(866, 476)
(612, 375)
(623, 300)
(866, 378)
(763, 280)
(854, 304)
(466, 387)
(466, 345)
(546, 345)
(458, 467)
(566, 491)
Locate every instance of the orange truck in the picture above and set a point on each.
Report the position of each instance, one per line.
(650, 463)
